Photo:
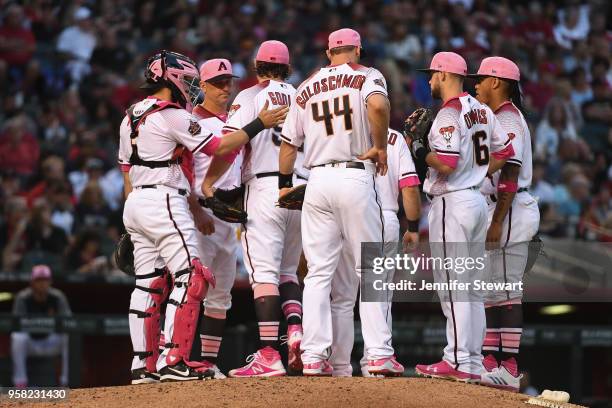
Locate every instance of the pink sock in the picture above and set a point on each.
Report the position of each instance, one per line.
(511, 365)
(490, 362)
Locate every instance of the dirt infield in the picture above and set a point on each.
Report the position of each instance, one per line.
(290, 392)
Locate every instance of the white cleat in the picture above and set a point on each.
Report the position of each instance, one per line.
(501, 378)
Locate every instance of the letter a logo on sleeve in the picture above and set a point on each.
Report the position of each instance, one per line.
(194, 127)
(379, 82)
(447, 133)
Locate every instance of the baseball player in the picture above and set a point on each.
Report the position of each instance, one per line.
(341, 115)
(464, 138)
(156, 215)
(401, 178)
(271, 240)
(217, 243)
(513, 220)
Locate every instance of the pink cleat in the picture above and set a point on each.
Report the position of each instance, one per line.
(319, 369)
(490, 363)
(294, 340)
(444, 371)
(388, 367)
(264, 363)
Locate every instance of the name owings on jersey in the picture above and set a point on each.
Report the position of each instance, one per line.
(329, 84)
(475, 116)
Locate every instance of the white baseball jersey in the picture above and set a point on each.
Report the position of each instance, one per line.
(261, 153)
(514, 124)
(158, 138)
(400, 173)
(213, 124)
(463, 135)
(329, 114)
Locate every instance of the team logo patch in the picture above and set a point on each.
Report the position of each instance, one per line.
(380, 82)
(447, 133)
(232, 110)
(194, 128)
(511, 136)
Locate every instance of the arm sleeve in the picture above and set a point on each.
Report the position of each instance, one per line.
(293, 130)
(241, 113)
(407, 173)
(374, 83)
(501, 145)
(186, 131)
(125, 149)
(511, 124)
(445, 137)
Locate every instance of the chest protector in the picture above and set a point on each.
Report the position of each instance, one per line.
(137, 116)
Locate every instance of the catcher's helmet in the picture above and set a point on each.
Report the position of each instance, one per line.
(177, 72)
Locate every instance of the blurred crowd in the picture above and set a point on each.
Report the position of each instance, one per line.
(69, 69)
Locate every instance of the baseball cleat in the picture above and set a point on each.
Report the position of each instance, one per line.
(443, 370)
(388, 367)
(218, 375)
(264, 363)
(183, 372)
(501, 378)
(319, 369)
(142, 376)
(366, 374)
(294, 340)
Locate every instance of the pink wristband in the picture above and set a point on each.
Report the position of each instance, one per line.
(125, 168)
(507, 187)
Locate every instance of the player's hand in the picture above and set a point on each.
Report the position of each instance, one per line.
(410, 241)
(208, 190)
(494, 235)
(378, 156)
(203, 222)
(273, 117)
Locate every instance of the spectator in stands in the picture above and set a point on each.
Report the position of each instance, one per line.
(17, 43)
(12, 233)
(573, 25)
(91, 211)
(552, 130)
(40, 299)
(19, 150)
(44, 241)
(85, 254)
(77, 43)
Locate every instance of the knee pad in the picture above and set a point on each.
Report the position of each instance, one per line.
(187, 312)
(159, 289)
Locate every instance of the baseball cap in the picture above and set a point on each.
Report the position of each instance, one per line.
(273, 51)
(499, 67)
(41, 272)
(218, 68)
(82, 13)
(344, 37)
(447, 62)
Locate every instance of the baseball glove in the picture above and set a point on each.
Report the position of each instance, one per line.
(416, 127)
(124, 254)
(227, 205)
(294, 199)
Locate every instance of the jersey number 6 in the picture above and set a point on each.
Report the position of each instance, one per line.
(327, 116)
(481, 151)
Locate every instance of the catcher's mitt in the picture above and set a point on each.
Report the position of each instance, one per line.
(416, 127)
(294, 199)
(124, 254)
(227, 205)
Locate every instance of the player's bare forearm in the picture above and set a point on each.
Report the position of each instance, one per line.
(218, 167)
(434, 161)
(286, 158)
(231, 142)
(495, 164)
(509, 174)
(378, 108)
(411, 199)
(127, 185)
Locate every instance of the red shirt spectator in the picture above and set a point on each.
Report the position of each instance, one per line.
(19, 150)
(17, 44)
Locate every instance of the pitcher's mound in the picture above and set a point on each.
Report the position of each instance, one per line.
(290, 392)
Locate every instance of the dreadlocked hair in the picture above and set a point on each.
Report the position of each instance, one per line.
(271, 70)
(514, 91)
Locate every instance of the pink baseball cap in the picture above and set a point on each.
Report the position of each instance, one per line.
(273, 51)
(499, 67)
(218, 68)
(447, 62)
(41, 272)
(344, 37)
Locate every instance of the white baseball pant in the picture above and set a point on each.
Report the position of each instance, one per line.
(160, 225)
(457, 219)
(340, 209)
(345, 286)
(23, 345)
